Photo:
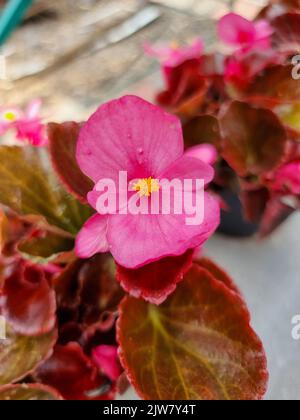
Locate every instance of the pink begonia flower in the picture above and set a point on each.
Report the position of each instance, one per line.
(175, 55)
(106, 358)
(205, 152)
(286, 179)
(132, 135)
(28, 125)
(244, 34)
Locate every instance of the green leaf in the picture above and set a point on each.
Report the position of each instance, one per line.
(20, 355)
(29, 186)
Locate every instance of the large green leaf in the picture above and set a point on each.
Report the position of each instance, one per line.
(196, 345)
(29, 186)
(19, 355)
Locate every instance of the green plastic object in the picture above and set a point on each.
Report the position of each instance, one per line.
(11, 17)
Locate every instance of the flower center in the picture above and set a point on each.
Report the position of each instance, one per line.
(146, 186)
(9, 116)
(174, 46)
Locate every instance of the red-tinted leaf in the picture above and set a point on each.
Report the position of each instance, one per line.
(218, 273)
(253, 139)
(73, 374)
(156, 281)
(287, 32)
(278, 7)
(20, 355)
(202, 129)
(89, 288)
(43, 247)
(28, 300)
(275, 214)
(254, 204)
(31, 392)
(274, 86)
(250, 64)
(197, 345)
(186, 89)
(62, 143)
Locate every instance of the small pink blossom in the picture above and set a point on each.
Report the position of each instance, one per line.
(244, 34)
(205, 152)
(27, 124)
(175, 55)
(133, 136)
(106, 358)
(286, 179)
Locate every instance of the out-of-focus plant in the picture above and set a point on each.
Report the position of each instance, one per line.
(246, 103)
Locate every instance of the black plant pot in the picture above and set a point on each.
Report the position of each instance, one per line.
(233, 222)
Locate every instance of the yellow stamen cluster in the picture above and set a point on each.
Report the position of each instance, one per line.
(146, 186)
(9, 116)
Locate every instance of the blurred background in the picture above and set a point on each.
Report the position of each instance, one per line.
(75, 55)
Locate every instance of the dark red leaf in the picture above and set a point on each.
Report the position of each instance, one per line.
(275, 214)
(253, 139)
(273, 87)
(254, 203)
(156, 281)
(73, 374)
(89, 288)
(62, 143)
(28, 300)
(186, 89)
(287, 32)
(218, 273)
(196, 345)
(202, 129)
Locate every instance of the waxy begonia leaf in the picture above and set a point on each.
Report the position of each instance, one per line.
(196, 345)
(253, 139)
(217, 273)
(274, 86)
(28, 302)
(62, 143)
(202, 129)
(42, 247)
(287, 32)
(73, 374)
(28, 392)
(275, 214)
(89, 285)
(20, 355)
(156, 281)
(30, 187)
